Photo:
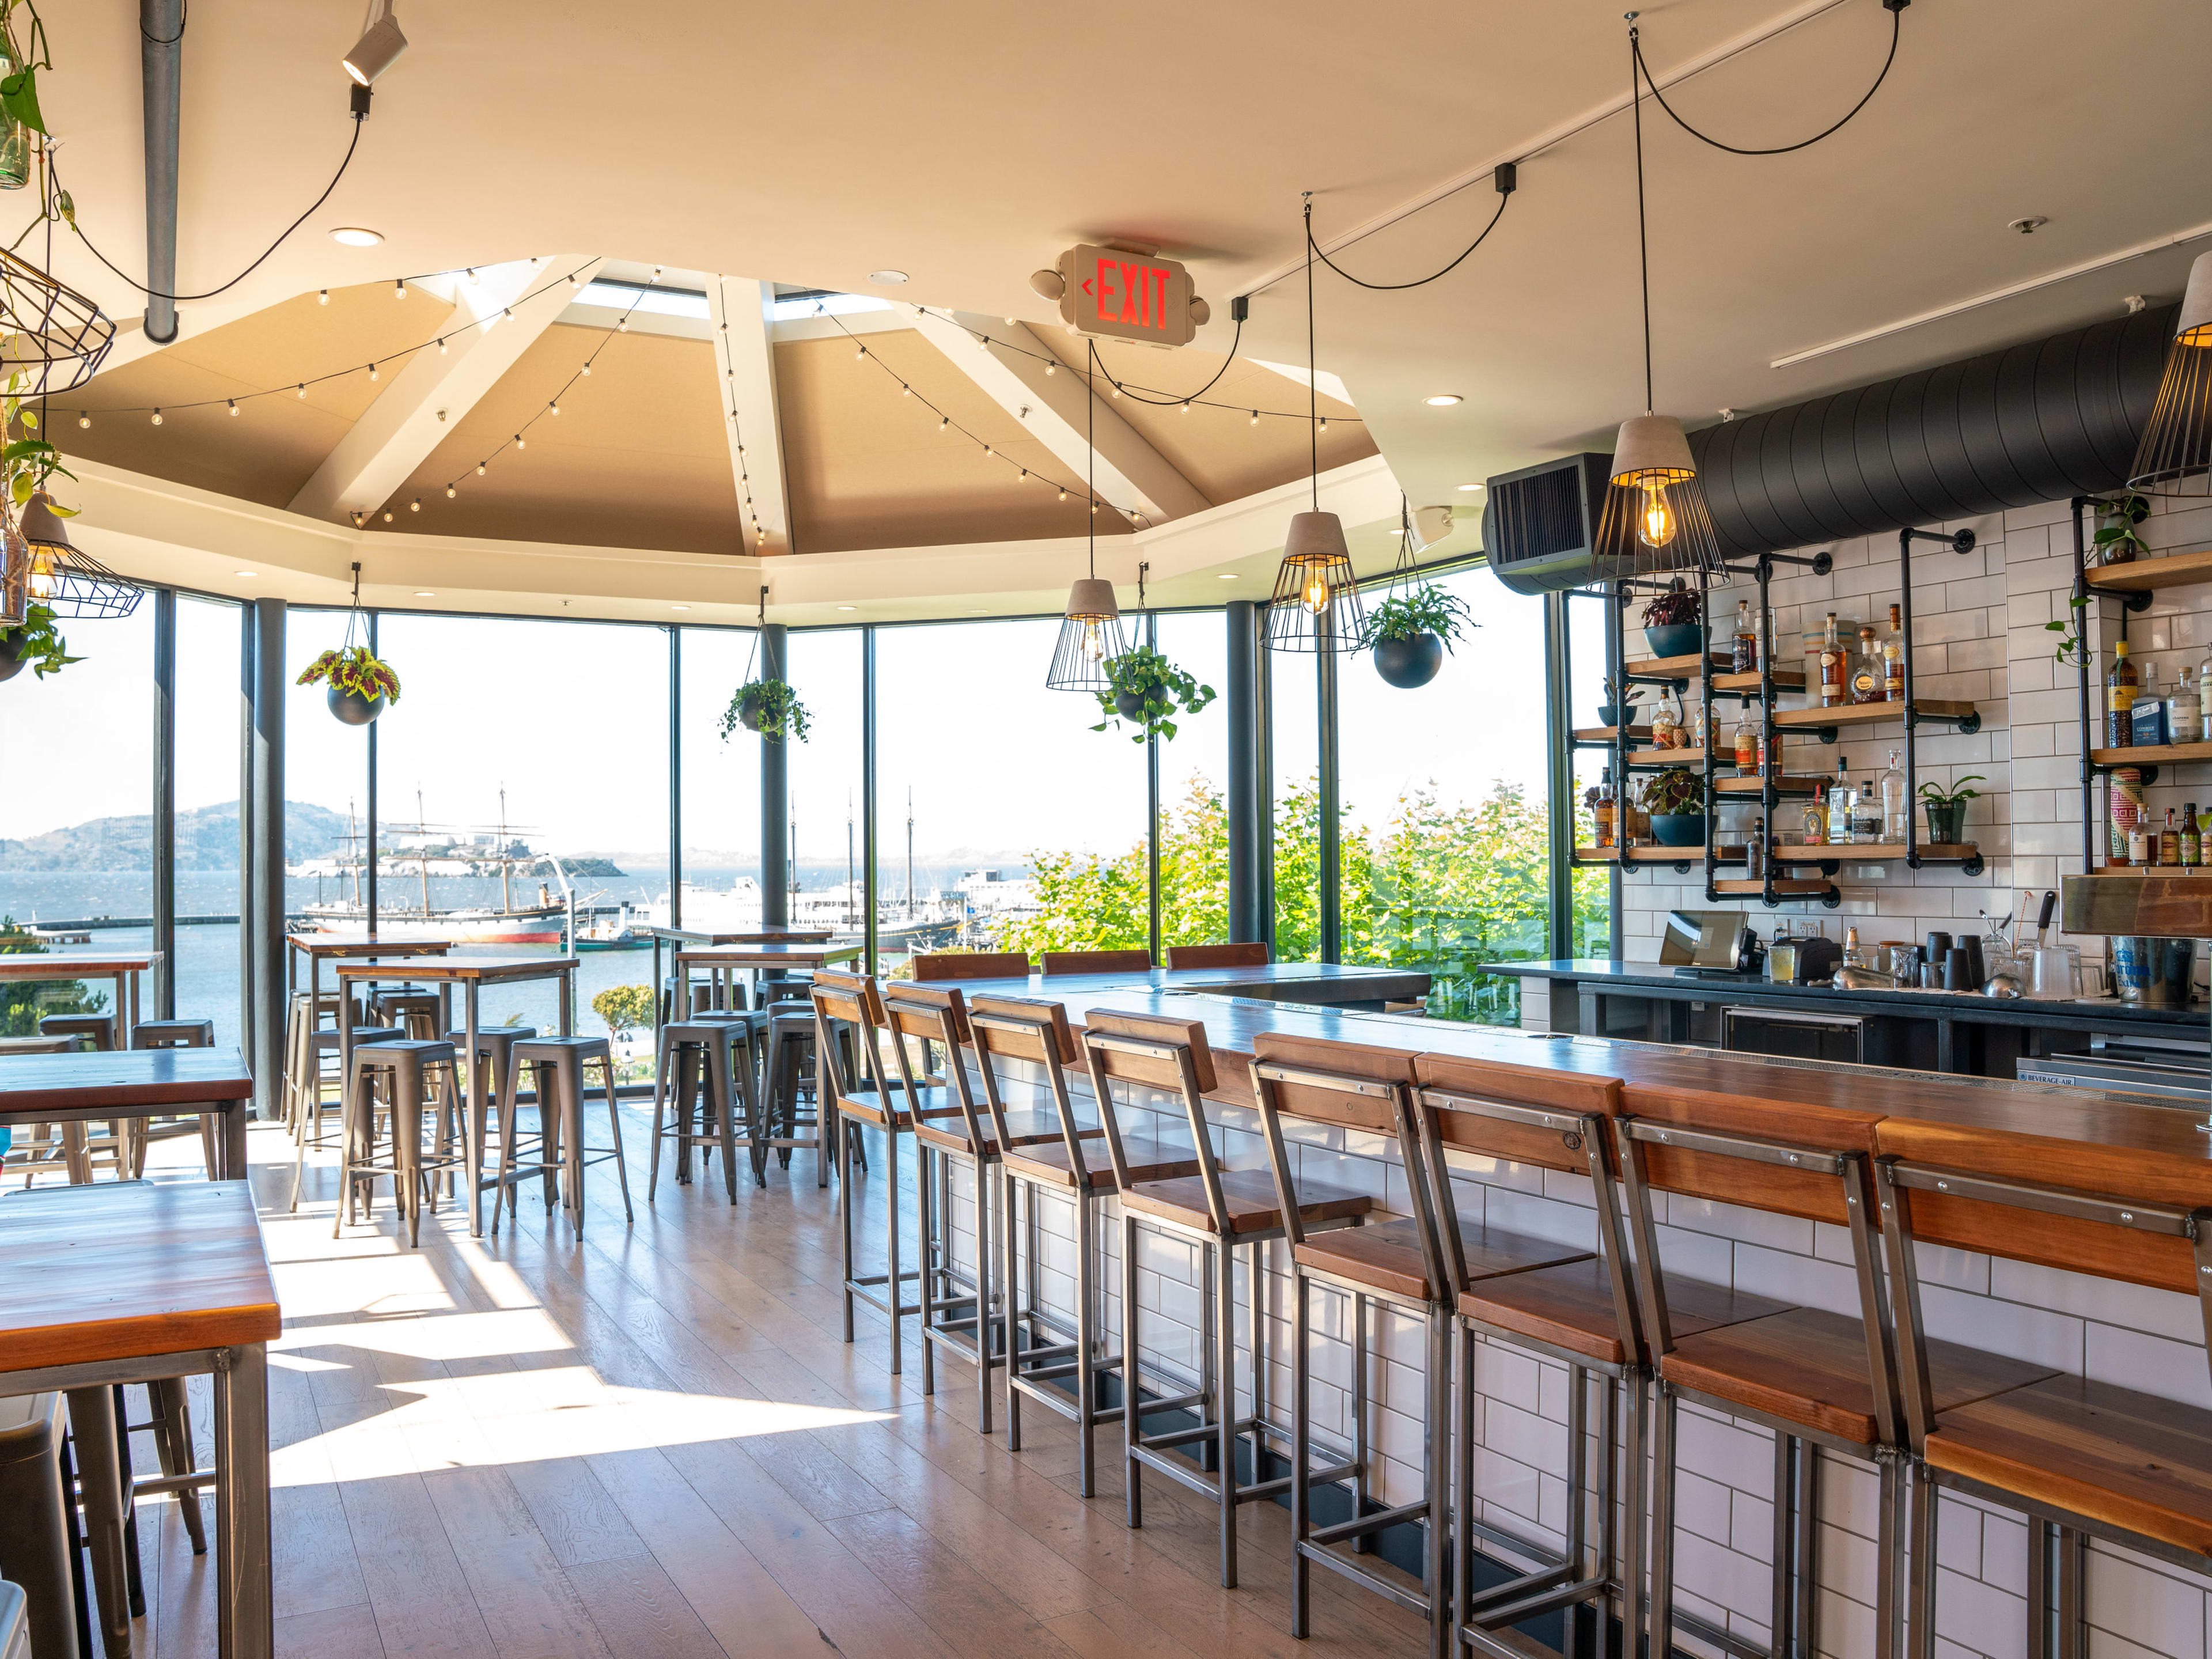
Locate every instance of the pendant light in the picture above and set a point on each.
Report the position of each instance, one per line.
(66, 580)
(1316, 605)
(1090, 635)
(15, 572)
(1654, 516)
(2175, 455)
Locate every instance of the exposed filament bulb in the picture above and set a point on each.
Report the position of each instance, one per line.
(1655, 522)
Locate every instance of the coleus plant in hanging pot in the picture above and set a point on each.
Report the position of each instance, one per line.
(1410, 631)
(1146, 689)
(361, 684)
(771, 707)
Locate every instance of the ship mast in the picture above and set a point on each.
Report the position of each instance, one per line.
(422, 853)
(352, 857)
(506, 865)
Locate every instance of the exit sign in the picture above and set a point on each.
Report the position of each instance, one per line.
(1120, 295)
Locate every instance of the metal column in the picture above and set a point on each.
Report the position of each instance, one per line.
(161, 56)
(164, 806)
(1330, 850)
(868, 929)
(264, 811)
(675, 779)
(1263, 778)
(1242, 691)
(1152, 821)
(1560, 778)
(775, 793)
(368, 844)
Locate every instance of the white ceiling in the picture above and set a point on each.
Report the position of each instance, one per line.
(968, 143)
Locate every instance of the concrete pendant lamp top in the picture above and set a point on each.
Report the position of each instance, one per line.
(2194, 325)
(1092, 596)
(42, 527)
(1315, 538)
(1652, 448)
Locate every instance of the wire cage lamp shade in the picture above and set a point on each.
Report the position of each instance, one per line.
(1090, 637)
(52, 339)
(67, 581)
(1655, 519)
(2174, 457)
(1316, 605)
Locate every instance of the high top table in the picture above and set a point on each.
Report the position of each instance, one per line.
(471, 974)
(155, 1279)
(707, 939)
(780, 954)
(133, 1083)
(124, 967)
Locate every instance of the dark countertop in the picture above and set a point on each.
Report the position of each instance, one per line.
(1651, 979)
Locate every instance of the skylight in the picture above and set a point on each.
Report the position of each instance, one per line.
(790, 308)
(644, 296)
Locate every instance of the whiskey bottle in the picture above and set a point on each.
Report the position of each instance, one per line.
(1832, 667)
(2142, 844)
(2192, 838)
(1602, 809)
(1867, 673)
(1893, 660)
(1816, 818)
(1746, 640)
(1747, 743)
(2169, 842)
(2119, 699)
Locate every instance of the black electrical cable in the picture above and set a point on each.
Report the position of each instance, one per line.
(1124, 387)
(156, 294)
(1896, 26)
(1503, 197)
(1643, 240)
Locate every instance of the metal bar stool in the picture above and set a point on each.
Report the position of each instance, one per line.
(1052, 1151)
(488, 1083)
(420, 1013)
(558, 1063)
(404, 1069)
(311, 1135)
(1394, 1265)
(699, 1052)
(177, 1034)
(790, 1078)
(81, 1150)
(304, 1075)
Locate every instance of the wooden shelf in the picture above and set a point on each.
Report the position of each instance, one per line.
(1608, 733)
(1784, 887)
(2159, 753)
(2147, 575)
(1785, 679)
(1867, 853)
(1654, 856)
(1665, 758)
(1690, 667)
(1867, 714)
(1782, 785)
(2141, 870)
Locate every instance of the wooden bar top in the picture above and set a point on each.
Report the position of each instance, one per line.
(122, 1078)
(460, 967)
(66, 964)
(787, 954)
(328, 946)
(121, 1271)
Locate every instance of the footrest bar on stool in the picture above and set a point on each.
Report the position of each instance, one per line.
(1512, 1613)
(1689, 1623)
(150, 1486)
(1527, 1584)
(1178, 1402)
(1360, 1525)
(1411, 1601)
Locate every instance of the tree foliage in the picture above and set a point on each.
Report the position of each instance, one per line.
(23, 1003)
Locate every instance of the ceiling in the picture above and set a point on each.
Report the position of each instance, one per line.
(980, 148)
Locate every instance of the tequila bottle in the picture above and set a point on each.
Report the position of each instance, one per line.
(1896, 809)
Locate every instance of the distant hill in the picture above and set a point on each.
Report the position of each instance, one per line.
(207, 839)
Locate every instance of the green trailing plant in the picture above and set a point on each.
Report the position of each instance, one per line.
(1158, 684)
(2072, 644)
(1426, 609)
(1956, 795)
(1675, 792)
(35, 640)
(353, 669)
(2117, 542)
(19, 90)
(771, 707)
(1675, 609)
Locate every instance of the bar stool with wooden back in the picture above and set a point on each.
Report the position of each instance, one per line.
(1252, 954)
(1055, 963)
(971, 964)
(1581, 1314)
(1051, 1152)
(2127, 1198)
(1819, 1381)
(1327, 1088)
(1218, 1211)
(849, 1022)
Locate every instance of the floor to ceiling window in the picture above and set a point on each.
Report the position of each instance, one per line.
(1007, 824)
(1293, 703)
(1193, 824)
(1591, 934)
(824, 787)
(718, 795)
(209, 716)
(1446, 855)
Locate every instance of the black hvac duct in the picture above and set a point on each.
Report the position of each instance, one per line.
(2034, 423)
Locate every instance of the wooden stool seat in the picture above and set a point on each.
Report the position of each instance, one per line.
(1149, 1160)
(1809, 1366)
(1250, 1198)
(1389, 1257)
(2089, 1449)
(1571, 1307)
(1032, 1128)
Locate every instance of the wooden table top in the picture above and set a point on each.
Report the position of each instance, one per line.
(462, 968)
(327, 945)
(766, 933)
(67, 964)
(768, 956)
(124, 1270)
(122, 1078)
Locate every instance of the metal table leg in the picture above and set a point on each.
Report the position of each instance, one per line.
(245, 1624)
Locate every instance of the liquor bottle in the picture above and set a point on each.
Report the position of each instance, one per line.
(2120, 700)
(1839, 806)
(2204, 731)
(1868, 671)
(1866, 815)
(1747, 743)
(1816, 818)
(2183, 711)
(2146, 719)
(1602, 809)
(2192, 838)
(1852, 958)
(2142, 844)
(2123, 800)
(1746, 640)
(1896, 810)
(1832, 667)
(2169, 842)
(1893, 660)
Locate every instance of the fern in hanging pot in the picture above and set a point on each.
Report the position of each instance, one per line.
(33, 643)
(1410, 631)
(771, 707)
(1146, 689)
(361, 684)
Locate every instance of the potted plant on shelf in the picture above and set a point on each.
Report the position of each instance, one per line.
(360, 683)
(1676, 801)
(2117, 542)
(1672, 626)
(771, 707)
(1946, 809)
(1619, 707)
(1145, 687)
(1409, 633)
(34, 643)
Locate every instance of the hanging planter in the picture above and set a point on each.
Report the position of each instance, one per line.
(771, 707)
(1410, 632)
(362, 685)
(1671, 625)
(35, 643)
(1146, 689)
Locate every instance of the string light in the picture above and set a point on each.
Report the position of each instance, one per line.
(157, 417)
(1324, 423)
(1255, 417)
(451, 492)
(471, 273)
(861, 353)
(441, 345)
(233, 407)
(387, 518)
(1186, 405)
(1050, 369)
(586, 370)
(1063, 495)
(303, 389)
(480, 469)
(556, 408)
(415, 505)
(507, 314)
(372, 371)
(622, 324)
(322, 296)
(944, 421)
(84, 420)
(398, 288)
(521, 442)
(905, 391)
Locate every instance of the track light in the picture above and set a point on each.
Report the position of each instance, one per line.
(377, 50)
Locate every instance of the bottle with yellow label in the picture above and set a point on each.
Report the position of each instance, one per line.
(2120, 687)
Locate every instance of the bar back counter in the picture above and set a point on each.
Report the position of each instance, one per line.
(2064, 1262)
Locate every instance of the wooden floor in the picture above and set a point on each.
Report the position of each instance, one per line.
(653, 1442)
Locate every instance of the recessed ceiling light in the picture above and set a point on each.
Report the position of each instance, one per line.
(892, 278)
(1443, 400)
(1229, 575)
(1470, 486)
(356, 236)
(241, 572)
(424, 593)
(679, 607)
(848, 607)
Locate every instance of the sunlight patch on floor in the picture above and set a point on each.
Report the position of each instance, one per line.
(449, 1336)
